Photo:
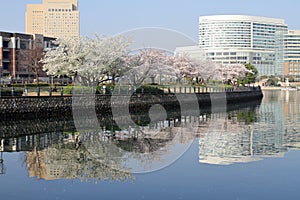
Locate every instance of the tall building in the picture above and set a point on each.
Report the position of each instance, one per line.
(54, 18)
(230, 39)
(20, 53)
(292, 54)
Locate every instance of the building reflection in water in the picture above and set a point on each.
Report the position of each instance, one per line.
(241, 137)
(69, 160)
(246, 134)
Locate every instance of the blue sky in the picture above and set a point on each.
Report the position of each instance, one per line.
(114, 16)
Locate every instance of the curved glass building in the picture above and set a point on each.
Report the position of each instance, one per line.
(230, 39)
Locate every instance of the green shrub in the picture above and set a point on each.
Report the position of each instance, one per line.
(149, 89)
(109, 88)
(77, 89)
(8, 92)
(67, 89)
(41, 84)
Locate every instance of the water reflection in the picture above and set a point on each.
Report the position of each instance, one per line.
(270, 131)
(67, 161)
(245, 133)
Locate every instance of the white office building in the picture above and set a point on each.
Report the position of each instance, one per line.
(229, 39)
(292, 54)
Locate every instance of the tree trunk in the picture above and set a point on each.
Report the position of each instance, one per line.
(153, 80)
(113, 79)
(37, 79)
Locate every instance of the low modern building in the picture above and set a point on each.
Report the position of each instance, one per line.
(20, 53)
(193, 52)
(291, 65)
(230, 39)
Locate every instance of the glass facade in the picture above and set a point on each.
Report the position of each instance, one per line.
(244, 39)
(225, 34)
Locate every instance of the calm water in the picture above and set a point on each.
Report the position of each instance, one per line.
(249, 152)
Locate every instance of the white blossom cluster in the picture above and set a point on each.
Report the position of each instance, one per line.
(99, 59)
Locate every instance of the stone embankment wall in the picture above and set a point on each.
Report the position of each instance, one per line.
(64, 104)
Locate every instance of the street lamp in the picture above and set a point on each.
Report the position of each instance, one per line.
(2, 167)
(1, 72)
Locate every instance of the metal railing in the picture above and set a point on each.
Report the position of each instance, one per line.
(118, 90)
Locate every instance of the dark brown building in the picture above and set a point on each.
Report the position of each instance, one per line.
(20, 55)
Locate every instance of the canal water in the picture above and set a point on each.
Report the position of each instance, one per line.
(251, 151)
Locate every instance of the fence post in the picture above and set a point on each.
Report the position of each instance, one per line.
(0, 90)
(180, 89)
(38, 91)
(184, 89)
(50, 92)
(26, 92)
(82, 90)
(12, 91)
(61, 91)
(174, 89)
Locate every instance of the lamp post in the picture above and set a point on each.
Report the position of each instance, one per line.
(1, 72)
(51, 81)
(2, 168)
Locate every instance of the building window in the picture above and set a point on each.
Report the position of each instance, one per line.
(24, 68)
(23, 45)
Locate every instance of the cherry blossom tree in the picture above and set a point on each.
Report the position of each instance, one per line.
(206, 70)
(100, 59)
(65, 59)
(233, 72)
(196, 68)
(150, 63)
(90, 60)
(36, 66)
(185, 67)
(107, 57)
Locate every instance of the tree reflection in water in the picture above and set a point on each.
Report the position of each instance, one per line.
(240, 135)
